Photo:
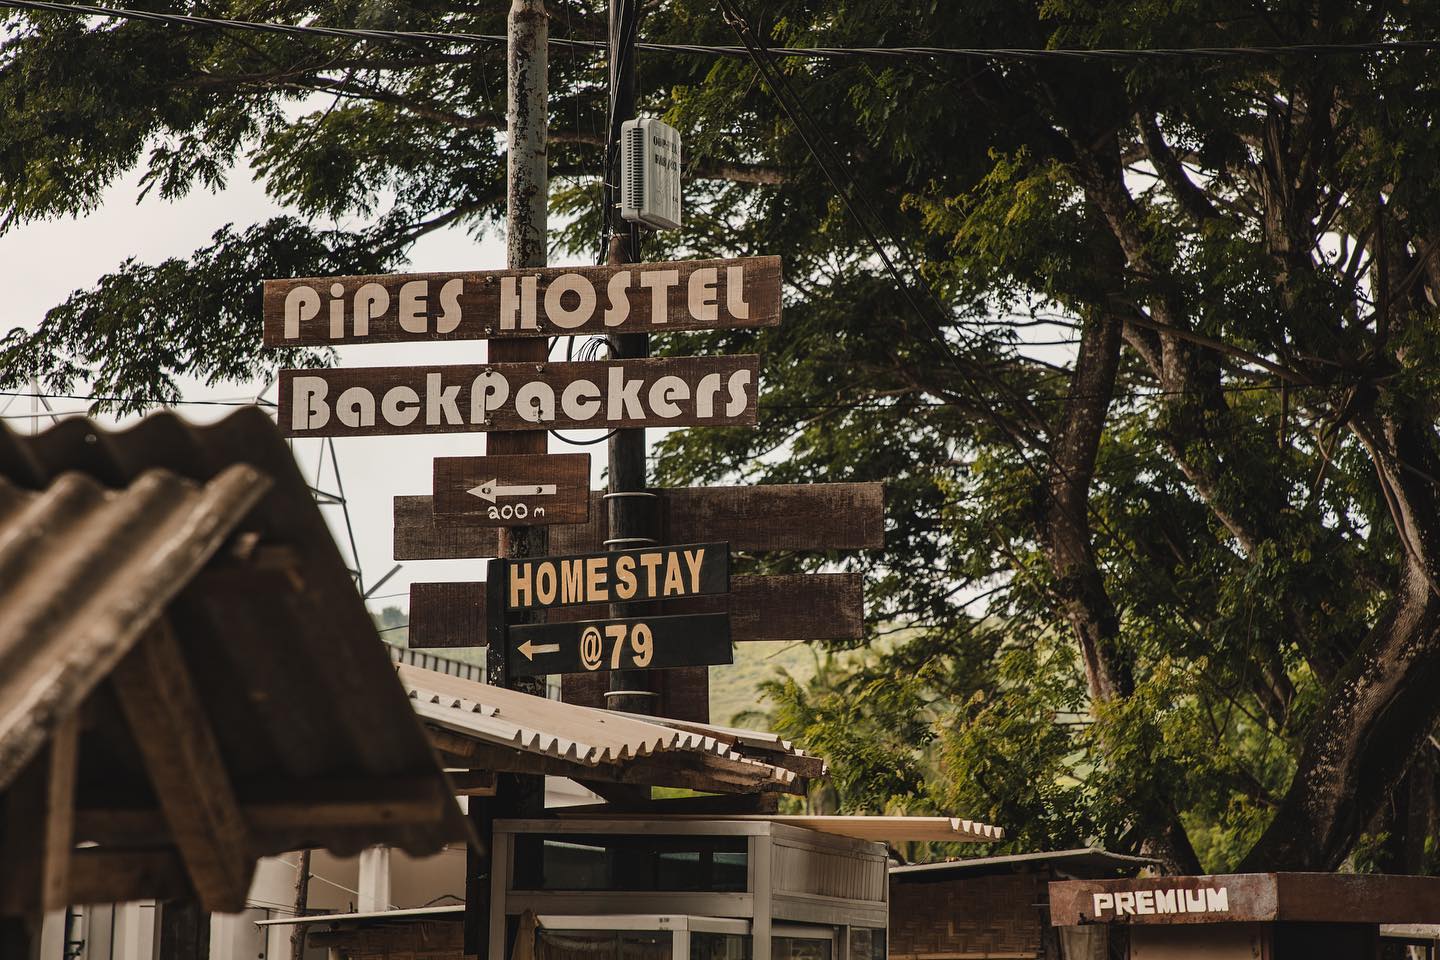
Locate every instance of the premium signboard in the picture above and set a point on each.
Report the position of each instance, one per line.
(377, 401)
(637, 643)
(539, 302)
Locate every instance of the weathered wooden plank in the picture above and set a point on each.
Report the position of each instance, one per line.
(476, 398)
(817, 516)
(299, 806)
(492, 491)
(447, 615)
(59, 821)
(111, 876)
(37, 831)
(533, 302)
(815, 606)
(185, 766)
(473, 783)
(801, 606)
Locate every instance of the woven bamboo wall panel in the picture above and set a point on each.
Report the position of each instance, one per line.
(973, 917)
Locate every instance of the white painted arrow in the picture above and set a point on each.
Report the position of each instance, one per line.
(491, 489)
(530, 649)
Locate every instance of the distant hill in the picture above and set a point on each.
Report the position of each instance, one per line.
(734, 687)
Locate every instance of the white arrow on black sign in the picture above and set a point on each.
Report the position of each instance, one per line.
(491, 489)
(530, 649)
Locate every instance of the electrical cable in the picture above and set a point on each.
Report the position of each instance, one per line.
(1024, 54)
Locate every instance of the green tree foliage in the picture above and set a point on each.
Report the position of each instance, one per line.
(1163, 514)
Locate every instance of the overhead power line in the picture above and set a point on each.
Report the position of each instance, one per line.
(1017, 54)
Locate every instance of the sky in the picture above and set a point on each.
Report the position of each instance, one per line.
(42, 263)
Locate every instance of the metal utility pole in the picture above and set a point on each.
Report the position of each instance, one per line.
(632, 507)
(527, 90)
(302, 899)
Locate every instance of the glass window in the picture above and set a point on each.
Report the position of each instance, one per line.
(799, 948)
(867, 943)
(605, 862)
(603, 945)
(720, 946)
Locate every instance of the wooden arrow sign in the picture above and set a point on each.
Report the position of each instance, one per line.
(383, 401)
(518, 490)
(815, 516)
(636, 643)
(543, 302)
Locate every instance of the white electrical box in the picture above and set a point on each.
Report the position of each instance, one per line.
(650, 173)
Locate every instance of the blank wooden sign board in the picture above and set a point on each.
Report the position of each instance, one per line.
(542, 302)
(384, 401)
(530, 489)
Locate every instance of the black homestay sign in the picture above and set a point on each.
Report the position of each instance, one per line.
(636, 643)
(620, 576)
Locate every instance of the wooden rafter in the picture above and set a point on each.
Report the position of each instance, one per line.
(184, 763)
(37, 841)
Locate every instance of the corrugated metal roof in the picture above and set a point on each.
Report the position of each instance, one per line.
(275, 640)
(86, 570)
(877, 828)
(580, 735)
(1083, 862)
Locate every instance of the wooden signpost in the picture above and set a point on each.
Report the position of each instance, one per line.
(383, 401)
(540, 302)
(506, 490)
(806, 516)
(615, 643)
(635, 643)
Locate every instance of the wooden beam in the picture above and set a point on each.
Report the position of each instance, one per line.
(115, 876)
(805, 516)
(183, 760)
(59, 820)
(813, 606)
(284, 808)
(38, 841)
(473, 783)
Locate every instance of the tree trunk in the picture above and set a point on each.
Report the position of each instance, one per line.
(1383, 705)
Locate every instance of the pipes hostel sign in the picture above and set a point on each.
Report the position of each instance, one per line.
(380, 401)
(540, 302)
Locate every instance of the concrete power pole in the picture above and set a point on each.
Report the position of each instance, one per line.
(527, 90)
(632, 507)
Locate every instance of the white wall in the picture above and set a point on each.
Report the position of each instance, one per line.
(126, 931)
